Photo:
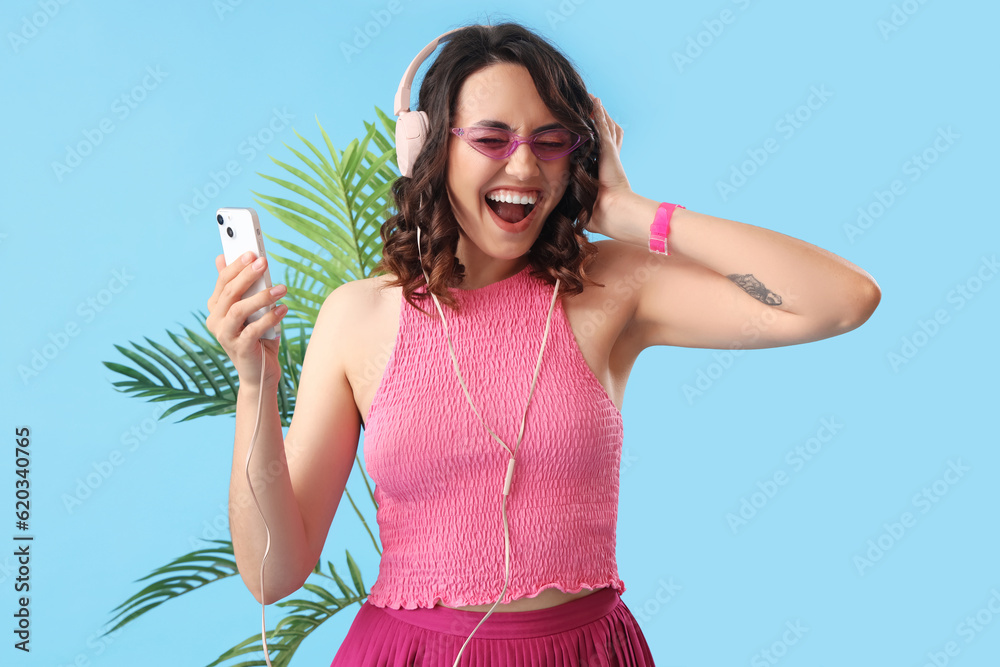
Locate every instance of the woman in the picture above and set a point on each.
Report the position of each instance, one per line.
(518, 161)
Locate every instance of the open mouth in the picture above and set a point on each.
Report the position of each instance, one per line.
(512, 213)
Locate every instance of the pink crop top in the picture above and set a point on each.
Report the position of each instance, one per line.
(439, 475)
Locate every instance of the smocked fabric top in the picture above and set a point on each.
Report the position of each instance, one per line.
(439, 475)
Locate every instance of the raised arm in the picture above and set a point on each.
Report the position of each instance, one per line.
(726, 284)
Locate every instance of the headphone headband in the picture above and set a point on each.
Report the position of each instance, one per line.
(412, 127)
(402, 101)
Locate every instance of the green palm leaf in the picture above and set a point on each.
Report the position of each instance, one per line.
(339, 206)
(201, 373)
(337, 202)
(180, 576)
(304, 616)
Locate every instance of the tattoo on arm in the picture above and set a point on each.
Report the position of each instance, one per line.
(755, 288)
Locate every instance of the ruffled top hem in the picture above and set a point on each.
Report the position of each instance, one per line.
(399, 602)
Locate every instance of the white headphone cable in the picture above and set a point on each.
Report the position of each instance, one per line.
(507, 481)
(253, 439)
(510, 463)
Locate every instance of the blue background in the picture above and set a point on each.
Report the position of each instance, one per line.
(690, 459)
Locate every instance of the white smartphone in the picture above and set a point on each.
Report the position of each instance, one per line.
(239, 229)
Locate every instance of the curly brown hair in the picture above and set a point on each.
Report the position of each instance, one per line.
(561, 250)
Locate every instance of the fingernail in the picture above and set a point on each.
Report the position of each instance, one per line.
(277, 290)
(247, 256)
(259, 264)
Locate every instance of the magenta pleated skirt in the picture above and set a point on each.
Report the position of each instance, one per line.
(597, 630)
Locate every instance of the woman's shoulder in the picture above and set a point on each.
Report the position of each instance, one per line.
(361, 294)
(377, 290)
(359, 308)
(363, 313)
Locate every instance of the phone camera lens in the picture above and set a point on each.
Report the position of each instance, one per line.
(219, 218)
(229, 230)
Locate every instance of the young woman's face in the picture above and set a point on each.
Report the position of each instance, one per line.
(502, 92)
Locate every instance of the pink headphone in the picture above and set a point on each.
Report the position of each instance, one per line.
(412, 127)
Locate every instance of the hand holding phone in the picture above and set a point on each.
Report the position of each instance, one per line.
(242, 298)
(239, 229)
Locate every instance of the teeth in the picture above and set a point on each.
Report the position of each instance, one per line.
(512, 197)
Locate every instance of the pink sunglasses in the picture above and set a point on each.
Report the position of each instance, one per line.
(498, 143)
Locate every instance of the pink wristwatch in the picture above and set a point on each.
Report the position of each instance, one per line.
(660, 228)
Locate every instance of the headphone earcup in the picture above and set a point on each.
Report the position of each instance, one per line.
(412, 129)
